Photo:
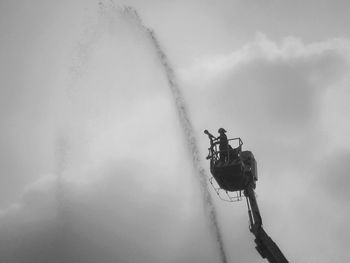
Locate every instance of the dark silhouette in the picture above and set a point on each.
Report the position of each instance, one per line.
(223, 145)
(239, 174)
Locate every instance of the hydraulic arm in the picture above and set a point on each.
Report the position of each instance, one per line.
(264, 244)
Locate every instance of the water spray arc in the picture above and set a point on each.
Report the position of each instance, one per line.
(186, 127)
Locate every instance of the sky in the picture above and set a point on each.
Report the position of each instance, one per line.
(94, 165)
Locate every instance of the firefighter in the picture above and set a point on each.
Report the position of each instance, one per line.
(223, 145)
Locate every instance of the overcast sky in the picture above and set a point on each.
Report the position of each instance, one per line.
(93, 162)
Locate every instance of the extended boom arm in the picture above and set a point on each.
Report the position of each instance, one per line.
(264, 244)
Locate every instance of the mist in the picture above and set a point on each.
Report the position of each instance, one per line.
(114, 161)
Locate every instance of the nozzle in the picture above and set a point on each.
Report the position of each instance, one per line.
(209, 134)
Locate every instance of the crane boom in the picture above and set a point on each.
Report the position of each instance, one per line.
(266, 247)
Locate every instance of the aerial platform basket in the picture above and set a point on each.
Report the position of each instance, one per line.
(236, 171)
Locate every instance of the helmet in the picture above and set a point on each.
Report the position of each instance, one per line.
(221, 130)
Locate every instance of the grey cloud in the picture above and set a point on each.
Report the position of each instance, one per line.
(333, 175)
(272, 93)
(283, 91)
(115, 218)
(322, 208)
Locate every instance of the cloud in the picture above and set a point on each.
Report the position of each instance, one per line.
(269, 91)
(113, 217)
(318, 210)
(333, 175)
(281, 83)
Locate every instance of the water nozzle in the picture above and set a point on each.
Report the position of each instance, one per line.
(209, 134)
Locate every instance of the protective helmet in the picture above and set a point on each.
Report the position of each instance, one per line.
(221, 130)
